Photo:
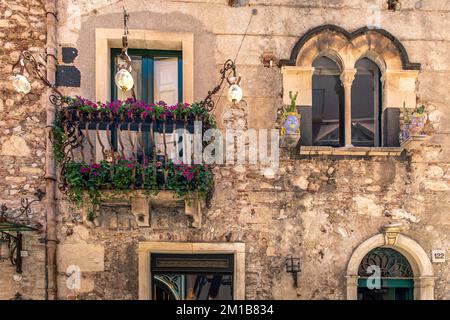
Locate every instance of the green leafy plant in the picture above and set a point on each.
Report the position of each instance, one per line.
(91, 215)
(182, 179)
(293, 106)
(409, 113)
(59, 139)
(420, 110)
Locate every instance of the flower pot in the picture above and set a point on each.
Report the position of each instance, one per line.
(290, 141)
(290, 131)
(417, 124)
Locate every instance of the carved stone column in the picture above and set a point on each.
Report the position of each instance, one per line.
(347, 77)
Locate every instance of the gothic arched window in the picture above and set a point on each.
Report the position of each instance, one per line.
(366, 105)
(327, 104)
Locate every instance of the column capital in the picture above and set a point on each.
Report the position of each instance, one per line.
(347, 77)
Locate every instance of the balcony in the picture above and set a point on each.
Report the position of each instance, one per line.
(126, 146)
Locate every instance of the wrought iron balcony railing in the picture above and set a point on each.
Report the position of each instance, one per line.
(130, 145)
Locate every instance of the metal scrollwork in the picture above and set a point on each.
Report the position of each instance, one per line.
(26, 60)
(56, 99)
(24, 210)
(228, 67)
(392, 264)
(74, 139)
(175, 284)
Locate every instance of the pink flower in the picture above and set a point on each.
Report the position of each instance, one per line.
(84, 170)
(95, 166)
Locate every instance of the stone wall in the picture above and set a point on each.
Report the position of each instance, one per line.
(22, 138)
(318, 208)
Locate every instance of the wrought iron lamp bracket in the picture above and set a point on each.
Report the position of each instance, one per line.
(27, 62)
(14, 247)
(228, 72)
(24, 210)
(14, 243)
(126, 60)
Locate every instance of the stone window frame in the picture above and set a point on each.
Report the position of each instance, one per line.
(424, 279)
(235, 248)
(108, 38)
(399, 78)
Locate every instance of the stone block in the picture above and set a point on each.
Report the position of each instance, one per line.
(88, 257)
(15, 146)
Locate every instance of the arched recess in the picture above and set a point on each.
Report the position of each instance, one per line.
(416, 255)
(399, 75)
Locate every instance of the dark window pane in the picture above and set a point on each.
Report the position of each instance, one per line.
(192, 276)
(328, 104)
(365, 104)
(192, 287)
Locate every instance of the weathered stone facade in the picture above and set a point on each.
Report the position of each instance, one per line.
(22, 138)
(320, 208)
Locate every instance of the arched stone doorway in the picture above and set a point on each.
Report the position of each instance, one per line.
(385, 274)
(422, 270)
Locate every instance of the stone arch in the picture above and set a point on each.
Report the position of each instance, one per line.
(413, 252)
(375, 58)
(331, 54)
(350, 46)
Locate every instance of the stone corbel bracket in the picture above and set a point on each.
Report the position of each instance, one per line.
(413, 142)
(140, 207)
(193, 208)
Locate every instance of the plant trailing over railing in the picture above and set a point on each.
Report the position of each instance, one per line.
(147, 172)
(128, 174)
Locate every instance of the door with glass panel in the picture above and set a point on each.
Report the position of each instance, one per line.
(158, 77)
(191, 276)
(385, 274)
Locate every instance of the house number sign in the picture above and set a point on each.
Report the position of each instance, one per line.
(438, 255)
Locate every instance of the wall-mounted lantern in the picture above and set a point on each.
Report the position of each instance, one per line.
(10, 244)
(235, 91)
(27, 62)
(293, 266)
(123, 79)
(235, 94)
